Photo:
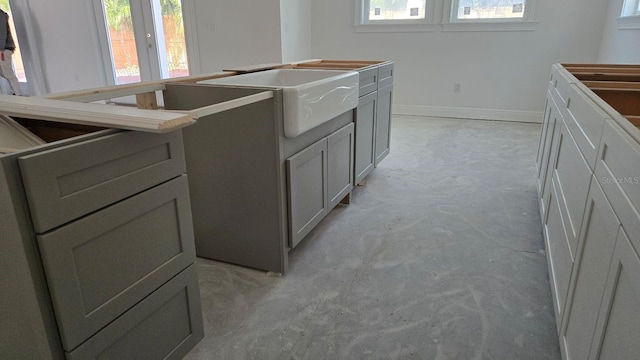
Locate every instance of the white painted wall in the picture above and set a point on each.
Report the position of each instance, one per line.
(504, 72)
(619, 46)
(237, 32)
(295, 28)
(63, 34)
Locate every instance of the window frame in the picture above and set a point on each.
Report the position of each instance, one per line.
(362, 24)
(527, 22)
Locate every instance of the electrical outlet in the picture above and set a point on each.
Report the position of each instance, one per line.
(457, 87)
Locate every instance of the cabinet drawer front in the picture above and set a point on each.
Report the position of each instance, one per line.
(385, 75)
(618, 172)
(562, 81)
(585, 121)
(165, 325)
(368, 81)
(101, 265)
(65, 183)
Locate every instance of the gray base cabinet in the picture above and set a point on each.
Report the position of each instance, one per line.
(373, 118)
(589, 198)
(319, 177)
(104, 223)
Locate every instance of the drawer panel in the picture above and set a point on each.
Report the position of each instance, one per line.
(368, 81)
(585, 121)
(165, 325)
(618, 172)
(66, 183)
(385, 75)
(101, 265)
(562, 82)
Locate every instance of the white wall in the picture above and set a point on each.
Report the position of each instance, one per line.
(63, 34)
(295, 17)
(503, 72)
(237, 32)
(619, 46)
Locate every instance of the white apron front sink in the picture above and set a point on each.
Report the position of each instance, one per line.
(310, 97)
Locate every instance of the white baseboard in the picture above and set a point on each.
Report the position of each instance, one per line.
(469, 113)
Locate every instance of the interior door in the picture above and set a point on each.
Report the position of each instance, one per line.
(141, 40)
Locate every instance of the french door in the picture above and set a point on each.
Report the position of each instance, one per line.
(141, 40)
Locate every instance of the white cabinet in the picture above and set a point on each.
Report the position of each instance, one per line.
(589, 188)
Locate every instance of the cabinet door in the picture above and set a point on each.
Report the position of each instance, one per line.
(308, 200)
(616, 336)
(340, 164)
(595, 248)
(543, 136)
(549, 156)
(383, 123)
(365, 135)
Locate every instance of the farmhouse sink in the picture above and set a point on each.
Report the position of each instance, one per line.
(310, 97)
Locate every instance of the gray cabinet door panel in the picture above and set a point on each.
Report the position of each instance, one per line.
(549, 159)
(383, 123)
(368, 80)
(543, 138)
(618, 171)
(308, 200)
(616, 336)
(99, 266)
(585, 121)
(365, 135)
(340, 164)
(385, 75)
(65, 183)
(597, 240)
(165, 325)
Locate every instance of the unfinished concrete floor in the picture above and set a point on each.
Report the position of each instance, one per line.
(439, 256)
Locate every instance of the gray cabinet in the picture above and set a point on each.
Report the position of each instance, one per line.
(383, 123)
(307, 175)
(365, 135)
(373, 118)
(340, 154)
(319, 177)
(105, 221)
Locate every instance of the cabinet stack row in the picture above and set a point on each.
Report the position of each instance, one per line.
(589, 189)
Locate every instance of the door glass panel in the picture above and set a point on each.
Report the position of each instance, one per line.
(121, 41)
(173, 28)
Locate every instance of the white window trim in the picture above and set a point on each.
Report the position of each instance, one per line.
(527, 23)
(629, 22)
(422, 25)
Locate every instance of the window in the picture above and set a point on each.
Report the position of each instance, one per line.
(630, 8)
(487, 9)
(142, 40)
(17, 57)
(630, 15)
(395, 15)
(377, 11)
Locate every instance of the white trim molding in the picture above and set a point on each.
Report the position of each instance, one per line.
(469, 113)
(629, 22)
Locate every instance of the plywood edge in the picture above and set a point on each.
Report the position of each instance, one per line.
(94, 114)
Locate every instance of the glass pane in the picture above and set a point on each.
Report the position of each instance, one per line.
(396, 9)
(121, 41)
(17, 57)
(490, 9)
(175, 45)
(638, 7)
